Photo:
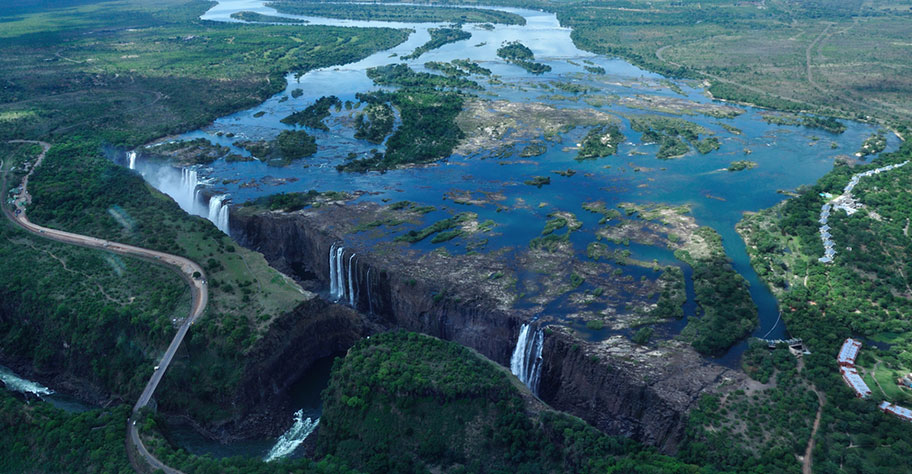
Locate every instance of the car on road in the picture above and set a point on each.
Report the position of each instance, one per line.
(156, 367)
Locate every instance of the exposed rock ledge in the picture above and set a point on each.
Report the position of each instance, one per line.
(619, 387)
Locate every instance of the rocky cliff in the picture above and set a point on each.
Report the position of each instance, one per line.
(646, 400)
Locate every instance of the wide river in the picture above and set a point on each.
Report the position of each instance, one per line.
(787, 156)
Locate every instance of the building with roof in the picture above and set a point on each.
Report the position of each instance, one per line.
(896, 410)
(848, 353)
(855, 382)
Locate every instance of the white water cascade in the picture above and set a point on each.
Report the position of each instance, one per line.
(131, 156)
(291, 439)
(218, 212)
(336, 272)
(189, 182)
(351, 291)
(18, 384)
(526, 361)
(341, 281)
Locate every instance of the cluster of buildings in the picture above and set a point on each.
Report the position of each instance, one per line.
(847, 355)
(847, 203)
(846, 358)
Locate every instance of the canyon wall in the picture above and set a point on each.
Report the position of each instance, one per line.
(615, 398)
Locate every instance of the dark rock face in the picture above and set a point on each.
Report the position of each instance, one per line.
(615, 398)
(295, 245)
(314, 330)
(645, 397)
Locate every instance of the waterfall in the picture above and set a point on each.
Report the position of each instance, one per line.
(370, 301)
(332, 271)
(339, 289)
(527, 356)
(131, 156)
(351, 292)
(291, 439)
(189, 182)
(340, 273)
(18, 384)
(337, 272)
(218, 212)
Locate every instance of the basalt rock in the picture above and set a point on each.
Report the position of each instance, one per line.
(615, 385)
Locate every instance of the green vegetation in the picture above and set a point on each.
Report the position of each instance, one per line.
(442, 225)
(403, 13)
(741, 165)
(458, 68)
(863, 293)
(538, 181)
(425, 110)
(404, 402)
(670, 133)
(600, 142)
(295, 144)
(403, 76)
(729, 313)
(439, 37)
(199, 151)
(796, 56)
(128, 86)
(288, 146)
(314, 114)
(375, 124)
(873, 145)
(38, 437)
(520, 55)
(759, 429)
(261, 18)
(57, 291)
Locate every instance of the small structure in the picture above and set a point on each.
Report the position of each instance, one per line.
(855, 382)
(905, 381)
(896, 410)
(848, 353)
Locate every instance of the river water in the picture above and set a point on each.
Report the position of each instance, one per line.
(787, 156)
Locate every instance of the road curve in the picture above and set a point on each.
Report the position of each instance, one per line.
(190, 271)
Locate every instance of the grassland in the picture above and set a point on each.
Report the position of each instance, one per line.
(93, 80)
(403, 13)
(846, 58)
(152, 70)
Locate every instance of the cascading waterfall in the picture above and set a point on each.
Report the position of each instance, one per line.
(218, 212)
(332, 271)
(131, 156)
(341, 280)
(337, 272)
(526, 361)
(18, 384)
(189, 182)
(351, 291)
(370, 301)
(291, 439)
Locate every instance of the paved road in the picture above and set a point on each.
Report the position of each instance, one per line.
(192, 273)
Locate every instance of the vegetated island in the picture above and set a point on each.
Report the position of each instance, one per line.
(402, 13)
(254, 17)
(741, 165)
(439, 37)
(520, 55)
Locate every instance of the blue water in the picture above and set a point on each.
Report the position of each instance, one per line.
(787, 156)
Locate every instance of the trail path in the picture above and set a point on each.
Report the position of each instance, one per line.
(190, 271)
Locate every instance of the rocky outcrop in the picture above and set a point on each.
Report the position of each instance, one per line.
(619, 387)
(261, 404)
(625, 389)
(294, 243)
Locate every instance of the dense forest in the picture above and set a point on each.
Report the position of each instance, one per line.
(863, 293)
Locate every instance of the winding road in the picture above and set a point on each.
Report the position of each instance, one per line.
(189, 270)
